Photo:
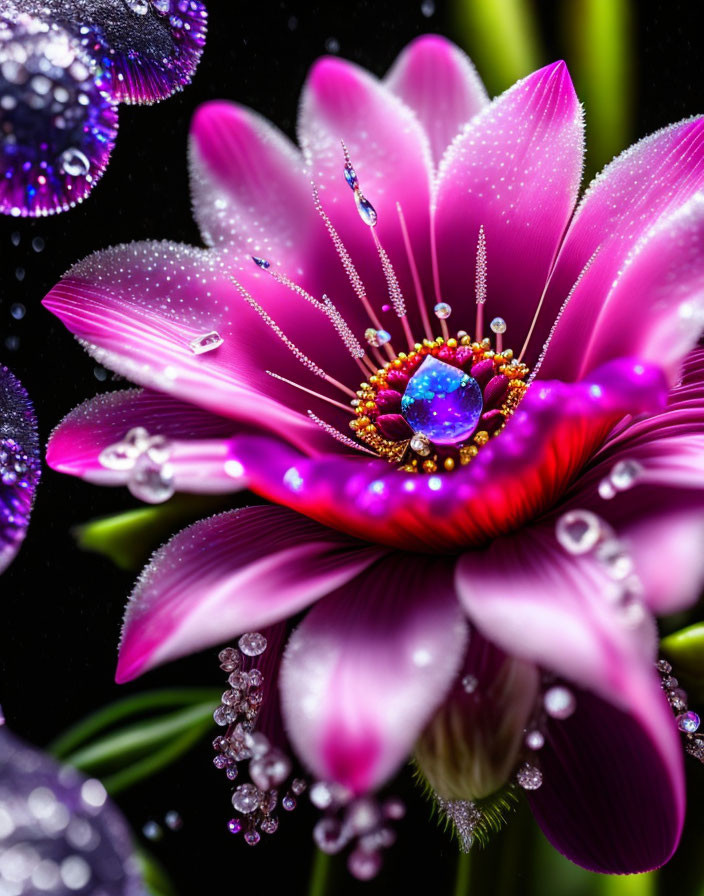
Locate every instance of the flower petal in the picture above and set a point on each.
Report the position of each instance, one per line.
(620, 785)
(368, 665)
(515, 170)
(139, 307)
(198, 440)
(662, 513)
(437, 80)
(514, 477)
(19, 445)
(645, 184)
(229, 574)
(248, 184)
(655, 308)
(391, 156)
(612, 798)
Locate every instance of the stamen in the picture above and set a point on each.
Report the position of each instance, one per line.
(336, 434)
(297, 353)
(395, 293)
(498, 327)
(343, 329)
(434, 258)
(338, 404)
(557, 319)
(420, 298)
(347, 264)
(480, 283)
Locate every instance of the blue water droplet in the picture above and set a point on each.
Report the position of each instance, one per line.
(442, 402)
(351, 177)
(261, 262)
(366, 210)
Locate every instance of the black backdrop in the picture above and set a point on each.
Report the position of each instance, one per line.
(61, 608)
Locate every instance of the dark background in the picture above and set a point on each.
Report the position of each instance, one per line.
(61, 608)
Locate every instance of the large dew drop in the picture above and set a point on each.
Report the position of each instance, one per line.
(442, 402)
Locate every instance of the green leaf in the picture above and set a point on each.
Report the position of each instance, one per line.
(599, 37)
(501, 36)
(129, 538)
(685, 650)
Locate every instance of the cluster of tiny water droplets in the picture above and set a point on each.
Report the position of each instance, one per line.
(464, 816)
(363, 825)
(583, 533)
(58, 831)
(257, 800)
(687, 720)
(59, 121)
(145, 458)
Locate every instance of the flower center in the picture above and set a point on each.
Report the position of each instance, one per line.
(435, 406)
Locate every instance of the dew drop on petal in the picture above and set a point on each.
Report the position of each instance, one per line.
(559, 702)
(252, 643)
(246, 798)
(578, 531)
(366, 210)
(208, 342)
(150, 481)
(529, 777)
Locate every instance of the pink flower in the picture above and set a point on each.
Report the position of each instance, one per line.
(555, 544)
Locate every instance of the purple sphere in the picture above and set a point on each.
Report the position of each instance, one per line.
(58, 120)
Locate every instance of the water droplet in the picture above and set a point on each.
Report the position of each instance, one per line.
(320, 795)
(246, 798)
(38, 244)
(529, 777)
(578, 531)
(363, 865)
(150, 481)
(289, 802)
(74, 162)
(559, 702)
(270, 770)
(534, 740)
(625, 473)
(140, 7)
(18, 311)
(688, 722)
(498, 325)
(366, 210)
(206, 343)
(442, 402)
(152, 831)
(261, 262)
(251, 838)
(615, 559)
(330, 836)
(252, 643)
(173, 820)
(469, 684)
(442, 310)
(427, 8)
(269, 825)
(606, 490)
(163, 7)
(420, 443)
(376, 338)
(234, 825)
(351, 176)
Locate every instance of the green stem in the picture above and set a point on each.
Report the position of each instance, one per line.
(155, 762)
(320, 874)
(104, 718)
(462, 874)
(141, 736)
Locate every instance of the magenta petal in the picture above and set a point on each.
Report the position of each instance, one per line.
(538, 602)
(20, 467)
(612, 798)
(644, 185)
(249, 185)
(391, 156)
(515, 171)
(438, 81)
(198, 440)
(141, 308)
(368, 666)
(655, 309)
(232, 573)
(515, 477)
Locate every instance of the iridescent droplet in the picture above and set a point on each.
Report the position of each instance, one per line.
(442, 310)
(208, 342)
(234, 825)
(625, 473)
(559, 702)
(366, 210)
(688, 722)
(420, 443)
(578, 531)
(442, 402)
(351, 176)
(261, 262)
(529, 777)
(252, 643)
(246, 798)
(498, 325)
